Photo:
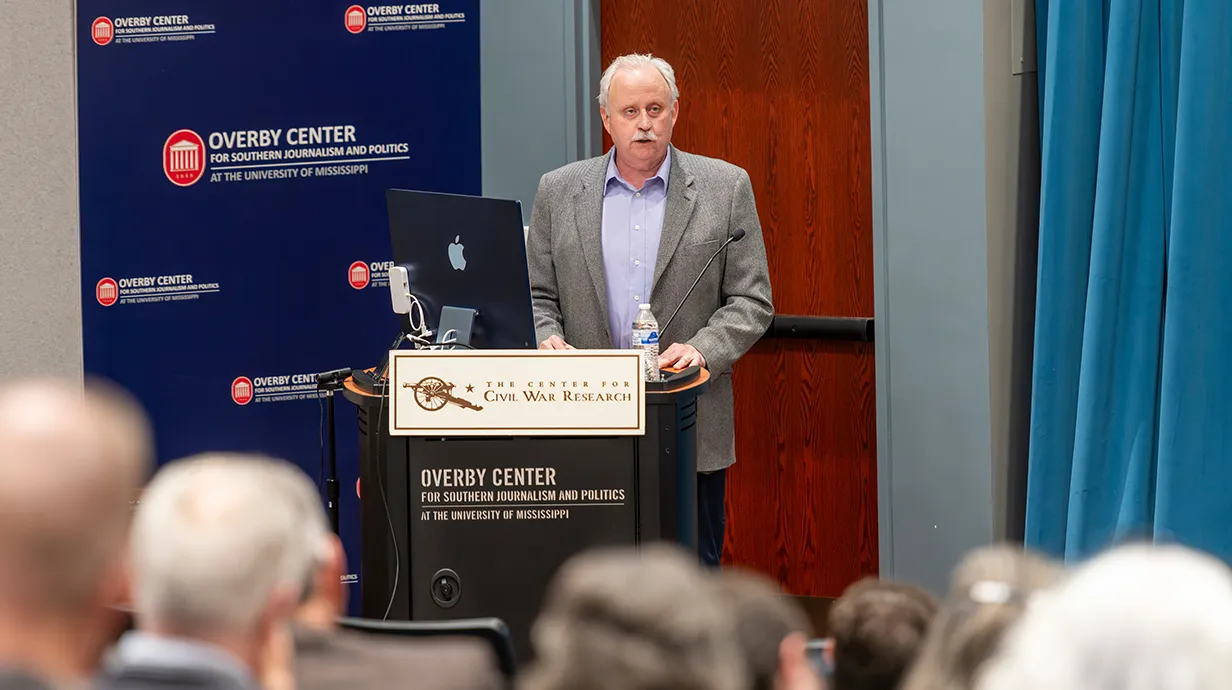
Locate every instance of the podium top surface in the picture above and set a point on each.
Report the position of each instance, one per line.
(694, 387)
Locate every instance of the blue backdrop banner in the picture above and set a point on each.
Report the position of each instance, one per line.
(234, 240)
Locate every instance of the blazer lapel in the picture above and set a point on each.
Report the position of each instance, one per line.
(588, 216)
(681, 197)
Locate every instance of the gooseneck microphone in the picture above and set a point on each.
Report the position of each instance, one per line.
(332, 376)
(734, 237)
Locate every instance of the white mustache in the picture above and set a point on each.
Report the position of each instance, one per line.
(645, 135)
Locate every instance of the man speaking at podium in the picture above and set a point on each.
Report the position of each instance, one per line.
(638, 225)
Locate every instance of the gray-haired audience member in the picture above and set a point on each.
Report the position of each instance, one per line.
(1135, 618)
(71, 463)
(771, 630)
(218, 570)
(624, 619)
(877, 627)
(989, 591)
(320, 656)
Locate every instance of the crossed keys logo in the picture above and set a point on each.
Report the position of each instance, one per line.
(433, 394)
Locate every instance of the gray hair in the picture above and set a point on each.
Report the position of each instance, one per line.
(214, 539)
(309, 512)
(635, 61)
(989, 592)
(1150, 618)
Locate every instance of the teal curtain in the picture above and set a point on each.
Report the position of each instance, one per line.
(1131, 410)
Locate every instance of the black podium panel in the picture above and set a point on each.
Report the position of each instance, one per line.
(494, 516)
(437, 546)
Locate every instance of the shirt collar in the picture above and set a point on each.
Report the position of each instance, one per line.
(138, 648)
(665, 169)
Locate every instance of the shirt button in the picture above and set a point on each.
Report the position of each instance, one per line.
(637, 263)
(637, 298)
(637, 227)
(638, 194)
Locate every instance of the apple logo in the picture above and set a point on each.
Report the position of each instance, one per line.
(455, 254)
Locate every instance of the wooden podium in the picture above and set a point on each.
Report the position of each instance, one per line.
(461, 524)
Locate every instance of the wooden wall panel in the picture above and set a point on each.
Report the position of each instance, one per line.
(780, 88)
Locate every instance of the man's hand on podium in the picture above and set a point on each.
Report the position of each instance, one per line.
(555, 343)
(681, 356)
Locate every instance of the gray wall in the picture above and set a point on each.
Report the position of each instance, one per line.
(949, 128)
(40, 276)
(540, 74)
(1011, 183)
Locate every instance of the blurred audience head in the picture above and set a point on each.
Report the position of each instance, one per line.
(72, 461)
(219, 555)
(989, 591)
(625, 619)
(877, 627)
(324, 598)
(1135, 618)
(771, 630)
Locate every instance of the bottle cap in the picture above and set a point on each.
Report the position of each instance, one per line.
(643, 306)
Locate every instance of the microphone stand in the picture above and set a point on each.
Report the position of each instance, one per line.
(734, 237)
(331, 382)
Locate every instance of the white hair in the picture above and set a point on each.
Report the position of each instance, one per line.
(1136, 618)
(214, 539)
(635, 61)
(313, 530)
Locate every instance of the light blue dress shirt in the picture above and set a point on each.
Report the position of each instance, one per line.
(632, 225)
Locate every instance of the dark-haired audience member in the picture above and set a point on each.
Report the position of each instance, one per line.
(630, 619)
(218, 571)
(71, 463)
(326, 657)
(771, 630)
(878, 628)
(989, 591)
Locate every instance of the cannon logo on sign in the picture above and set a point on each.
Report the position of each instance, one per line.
(433, 394)
(184, 158)
(532, 392)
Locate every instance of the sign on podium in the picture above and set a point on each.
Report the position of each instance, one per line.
(517, 393)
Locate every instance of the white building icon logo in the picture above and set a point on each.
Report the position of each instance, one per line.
(184, 158)
(241, 390)
(102, 31)
(356, 19)
(107, 292)
(359, 275)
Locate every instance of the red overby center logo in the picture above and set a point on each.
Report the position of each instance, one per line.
(359, 275)
(107, 292)
(184, 158)
(102, 31)
(356, 19)
(241, 390)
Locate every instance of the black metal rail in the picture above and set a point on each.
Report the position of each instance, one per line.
(856, 329)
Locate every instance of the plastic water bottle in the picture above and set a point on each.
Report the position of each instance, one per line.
(646, 339)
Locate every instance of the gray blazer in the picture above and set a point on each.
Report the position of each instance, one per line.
(707, 200)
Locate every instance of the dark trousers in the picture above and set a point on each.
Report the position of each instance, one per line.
(711, 518)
